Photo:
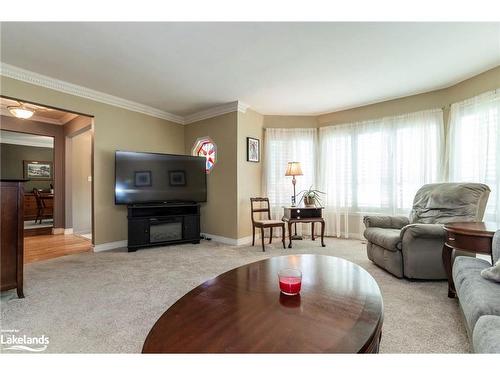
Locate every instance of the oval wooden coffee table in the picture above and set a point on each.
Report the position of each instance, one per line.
(339, 310)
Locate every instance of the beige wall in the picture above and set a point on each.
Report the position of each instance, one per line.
(250, 124)
(476, 85)
(81, 191)
(219, 214)
(233, 180)
(275, 121)
(115, 129)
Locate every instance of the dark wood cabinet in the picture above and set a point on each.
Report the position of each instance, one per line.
(12, 228)
(31, 208)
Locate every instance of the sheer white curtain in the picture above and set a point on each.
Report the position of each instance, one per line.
(280, 147)
(474, 146)
(376, 166)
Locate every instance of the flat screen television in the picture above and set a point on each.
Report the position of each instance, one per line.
(142, 177)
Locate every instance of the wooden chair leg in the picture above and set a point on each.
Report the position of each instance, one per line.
(262, 238)
(253, 235)
(283, 236)
(271, 235)
(322, 233)
(312, 231)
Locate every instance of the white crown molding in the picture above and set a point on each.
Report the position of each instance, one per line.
(219, 110)
(84, 92)
(242, 107)
(24, 75)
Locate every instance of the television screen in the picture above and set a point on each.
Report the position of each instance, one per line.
(142, 177)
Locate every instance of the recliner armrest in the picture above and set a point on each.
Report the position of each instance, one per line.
(394, 222)
(424, 231)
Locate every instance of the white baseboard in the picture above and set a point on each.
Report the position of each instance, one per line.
(68, 230)
(224, 240)
(110, 246)
(57, 230)
(231, 241)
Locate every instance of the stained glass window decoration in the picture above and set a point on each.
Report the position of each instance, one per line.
(207, 148)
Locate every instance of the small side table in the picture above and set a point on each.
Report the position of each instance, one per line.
(474, 237)
(294, 215)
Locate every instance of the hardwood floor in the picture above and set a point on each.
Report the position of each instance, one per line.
(45, 247)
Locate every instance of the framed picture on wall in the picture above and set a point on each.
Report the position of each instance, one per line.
(253, 149)
(38, 170)
(177, 178)
(143, 179)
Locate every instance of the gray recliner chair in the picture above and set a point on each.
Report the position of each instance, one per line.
(412, 247)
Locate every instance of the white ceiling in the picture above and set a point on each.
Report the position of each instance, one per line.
(276, 68)
(16, 138)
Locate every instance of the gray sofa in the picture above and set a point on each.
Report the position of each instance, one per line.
(480, 300)
(412, 247)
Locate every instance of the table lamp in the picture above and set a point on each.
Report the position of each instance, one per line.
(293, 169)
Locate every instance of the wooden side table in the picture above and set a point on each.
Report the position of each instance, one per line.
(474, 237)
(294, 215)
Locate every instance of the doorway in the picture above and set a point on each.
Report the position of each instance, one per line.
(31, 157)
(79, 183)
(47, 135)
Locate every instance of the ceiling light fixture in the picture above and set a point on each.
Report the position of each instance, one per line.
(21, 112)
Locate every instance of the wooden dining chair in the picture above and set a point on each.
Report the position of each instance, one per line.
(256, 206)
(42, 210)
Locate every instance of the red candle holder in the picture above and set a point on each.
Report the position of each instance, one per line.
(290, 281)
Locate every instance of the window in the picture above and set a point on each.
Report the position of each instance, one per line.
(282, 146)
(377, 166)
(208, 149)
(474, 146)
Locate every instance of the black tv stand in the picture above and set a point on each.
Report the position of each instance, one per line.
(160, 224)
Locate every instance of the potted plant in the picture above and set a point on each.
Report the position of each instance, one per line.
(311, 197)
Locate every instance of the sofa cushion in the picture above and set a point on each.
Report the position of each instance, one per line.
(477, 295)
(492, 273)
(387, 238)
(486, 335)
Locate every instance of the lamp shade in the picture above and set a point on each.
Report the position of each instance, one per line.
(293, 169)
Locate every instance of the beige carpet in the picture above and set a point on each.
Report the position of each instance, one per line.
(108, 302)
